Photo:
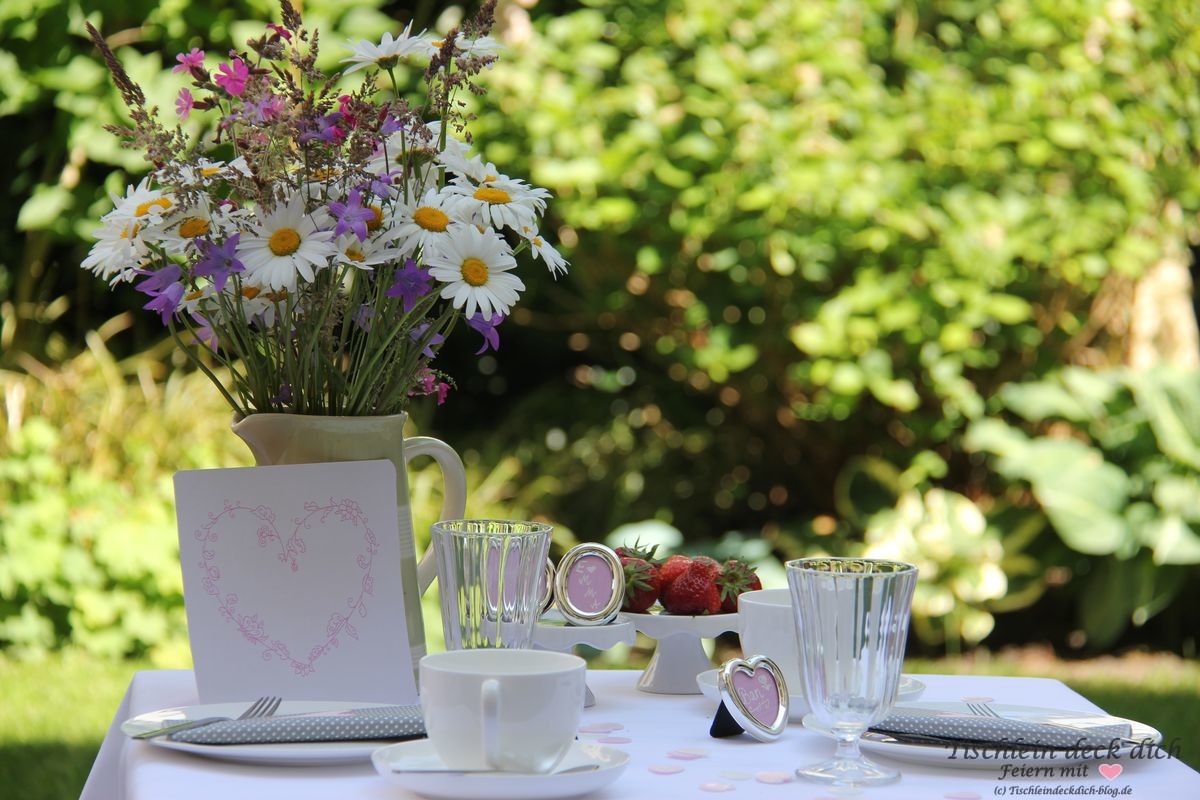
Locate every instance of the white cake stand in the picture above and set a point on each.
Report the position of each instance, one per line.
(562, 638)
(679, 656)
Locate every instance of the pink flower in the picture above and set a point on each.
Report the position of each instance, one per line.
(189, 60)
(280, 30)
(232, 77)
(443, 389)
(184, 104)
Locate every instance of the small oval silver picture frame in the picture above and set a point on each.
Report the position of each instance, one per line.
(547, 585)
(754, 697)
(589, 585)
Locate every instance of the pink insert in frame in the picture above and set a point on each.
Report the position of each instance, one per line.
(589, 586)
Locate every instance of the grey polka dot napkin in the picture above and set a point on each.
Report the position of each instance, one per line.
(383, 722)
(933, 726)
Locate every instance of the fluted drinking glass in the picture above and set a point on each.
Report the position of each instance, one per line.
(490, 580)
(852, 624)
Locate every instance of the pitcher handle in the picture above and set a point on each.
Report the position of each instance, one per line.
(454, 501)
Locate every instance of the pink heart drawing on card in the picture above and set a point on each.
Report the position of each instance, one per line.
(1111, 771)
(288, 555)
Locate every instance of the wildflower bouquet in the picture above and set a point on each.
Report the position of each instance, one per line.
(328, 253)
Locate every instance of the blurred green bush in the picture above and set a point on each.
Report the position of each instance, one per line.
(813, 243)
(1115, 463)
(88, 552)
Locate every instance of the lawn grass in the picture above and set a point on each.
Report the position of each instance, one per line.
(55, 714)
(56, 711)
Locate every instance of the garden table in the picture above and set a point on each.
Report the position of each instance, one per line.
(655, 725)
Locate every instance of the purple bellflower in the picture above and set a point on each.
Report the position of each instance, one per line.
(487, 328)
(218, 261)
(410, 285)
(327, 129)
(165, 291)
(434, 341)
(351, 216)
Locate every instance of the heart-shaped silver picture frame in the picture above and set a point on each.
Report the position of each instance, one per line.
(747, 705)
(589, 585)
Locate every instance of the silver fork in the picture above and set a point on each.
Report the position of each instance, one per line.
(262, 707)
(983, 710)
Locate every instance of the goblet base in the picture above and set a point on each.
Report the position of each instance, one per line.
(850, 772)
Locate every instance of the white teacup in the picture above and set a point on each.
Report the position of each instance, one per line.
(767, 627)
(509, 710)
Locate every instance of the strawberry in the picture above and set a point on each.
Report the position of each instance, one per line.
(735, 578)
(711, 566)
(672, 569)
(641, 584)
(638, 550)
(693, 592)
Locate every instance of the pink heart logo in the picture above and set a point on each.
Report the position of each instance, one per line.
(1111, 771)
(252, 627)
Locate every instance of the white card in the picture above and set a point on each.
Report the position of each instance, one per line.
(291, 578)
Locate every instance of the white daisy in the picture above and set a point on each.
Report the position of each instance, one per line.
(205, 171)
(118, 250)
(326, 183)
(391, 157)
(477, 48)
(456, 160)
(142, 205)
(422, 222)
(474, 266)
(199, 301)
(455, 152)
(497, 200)
(365, 255)
(258, 306)
(386, 54)
(180, 232)
(545, 251)
(285, 243)
(229, 218)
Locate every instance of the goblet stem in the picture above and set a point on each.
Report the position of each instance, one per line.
(848, 768)
(847, 745)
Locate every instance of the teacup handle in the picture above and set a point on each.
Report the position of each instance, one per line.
(489, 712)
(454, 500)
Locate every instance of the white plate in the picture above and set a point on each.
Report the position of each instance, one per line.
(298, 754)
(990, 758)
(910, 689)
(417, 754)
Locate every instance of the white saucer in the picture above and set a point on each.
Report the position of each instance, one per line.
(910, 689)
(297, 754)
(418, 754)
(982, 757)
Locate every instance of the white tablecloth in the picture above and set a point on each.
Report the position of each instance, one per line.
(656, 725)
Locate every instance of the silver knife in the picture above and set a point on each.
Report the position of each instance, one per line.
(182, 726)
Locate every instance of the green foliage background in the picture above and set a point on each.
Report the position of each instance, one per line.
(815, 244)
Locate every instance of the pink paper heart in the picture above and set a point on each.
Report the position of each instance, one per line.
(253, 628)
(1111, 771)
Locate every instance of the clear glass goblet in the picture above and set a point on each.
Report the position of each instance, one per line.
(490, 575)
(852, 622)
